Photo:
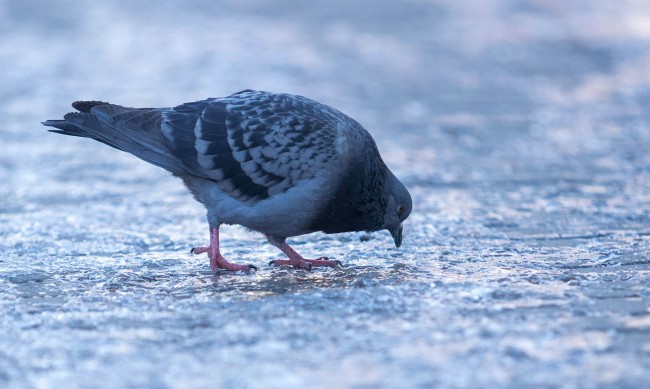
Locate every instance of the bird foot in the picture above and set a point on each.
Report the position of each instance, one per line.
(217, 261)
(303, 263)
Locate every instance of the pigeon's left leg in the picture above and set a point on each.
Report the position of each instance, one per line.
(217, 261)
(295, 259)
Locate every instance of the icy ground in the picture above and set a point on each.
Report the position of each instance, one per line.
(520, 127)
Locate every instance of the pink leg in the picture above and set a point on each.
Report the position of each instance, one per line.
(295, 259)
(217, 261)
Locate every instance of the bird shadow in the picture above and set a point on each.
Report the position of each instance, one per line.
(279, 281)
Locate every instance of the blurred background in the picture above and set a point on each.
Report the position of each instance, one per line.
(520, 128)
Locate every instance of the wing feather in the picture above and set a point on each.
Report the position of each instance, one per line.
(254, 145)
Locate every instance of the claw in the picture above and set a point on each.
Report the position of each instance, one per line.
(339, 264)
(192, 250)
(252, 267)
(272, 264)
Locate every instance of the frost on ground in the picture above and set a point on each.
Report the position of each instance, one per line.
(521, 129)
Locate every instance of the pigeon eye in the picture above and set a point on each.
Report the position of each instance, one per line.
(401, 208)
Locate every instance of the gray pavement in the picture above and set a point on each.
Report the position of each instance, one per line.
(520, 127)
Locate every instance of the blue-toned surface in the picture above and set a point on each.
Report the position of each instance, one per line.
(520, 128)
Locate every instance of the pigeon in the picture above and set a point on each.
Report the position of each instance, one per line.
(280, 164)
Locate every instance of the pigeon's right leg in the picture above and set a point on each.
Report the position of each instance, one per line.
(295, 259)
(217, 261)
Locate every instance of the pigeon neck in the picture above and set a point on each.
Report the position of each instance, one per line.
(358, 203)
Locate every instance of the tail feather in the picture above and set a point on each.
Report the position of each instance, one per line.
(142, 125)
(136, 132)
(67, 128)
(64, 127)
(85, 106)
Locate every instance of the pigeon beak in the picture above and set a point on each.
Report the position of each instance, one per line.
(397, 235)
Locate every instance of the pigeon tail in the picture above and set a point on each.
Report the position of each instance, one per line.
(135, 131)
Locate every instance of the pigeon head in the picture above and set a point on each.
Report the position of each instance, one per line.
(398, 207)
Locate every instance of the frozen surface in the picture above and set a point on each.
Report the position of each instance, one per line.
(520, 127)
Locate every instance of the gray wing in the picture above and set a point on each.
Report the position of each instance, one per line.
(253, 144)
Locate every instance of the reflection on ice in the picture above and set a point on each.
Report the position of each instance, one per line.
(520, 129)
